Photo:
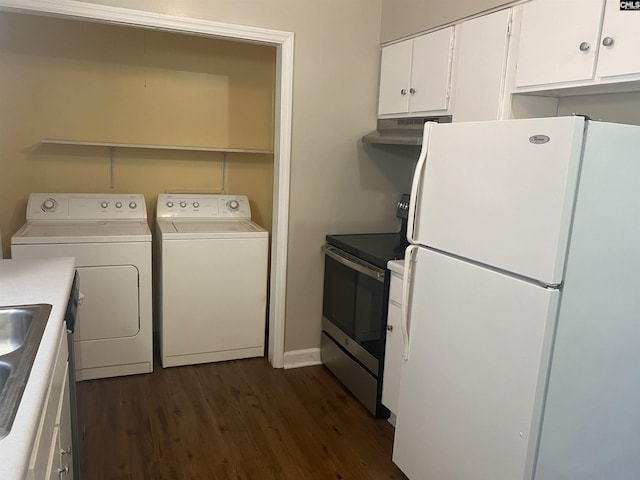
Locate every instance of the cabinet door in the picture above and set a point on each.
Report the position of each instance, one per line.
(481, 56)
(392, 359)
(558, 41)
(65, 440)
(619, 42)
(431, 71)
(53, 467)
(395, 69)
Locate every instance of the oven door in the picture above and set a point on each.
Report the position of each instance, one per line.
(353, 306)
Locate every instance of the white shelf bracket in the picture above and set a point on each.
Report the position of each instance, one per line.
(223, 172)
(112, 166)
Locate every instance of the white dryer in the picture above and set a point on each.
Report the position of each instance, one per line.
(212, 279)
(110, 239)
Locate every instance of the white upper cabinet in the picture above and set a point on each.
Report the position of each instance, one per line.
(482, 46)
(558, 41)
(431, 71)
(395, 71)
(577, 43)
(619, 42)
(550, 47)
(415, 75)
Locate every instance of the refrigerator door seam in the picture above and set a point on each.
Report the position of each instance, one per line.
(522, 278)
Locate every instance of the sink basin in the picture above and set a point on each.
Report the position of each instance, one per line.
(5, 373)
(21, 329)
(14, 325)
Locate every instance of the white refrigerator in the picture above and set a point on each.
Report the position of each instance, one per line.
(522, 303)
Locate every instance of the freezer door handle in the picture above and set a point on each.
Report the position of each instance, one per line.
(417, 177)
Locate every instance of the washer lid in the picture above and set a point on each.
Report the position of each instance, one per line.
(81, 232)
(190, 229)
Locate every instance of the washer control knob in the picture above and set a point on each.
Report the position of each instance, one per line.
(233, 205)
(170, 204)
(196, 204)
(183, 204)
(118, 204)
(48, 205)
(133, 205)
(104, 204)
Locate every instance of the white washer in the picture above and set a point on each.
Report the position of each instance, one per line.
(110, 239)
(212, 279)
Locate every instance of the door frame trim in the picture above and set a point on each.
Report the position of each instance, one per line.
(284, 43)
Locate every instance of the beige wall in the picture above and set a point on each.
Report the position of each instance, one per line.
(613, 107)
(336, 185)
(401, 18)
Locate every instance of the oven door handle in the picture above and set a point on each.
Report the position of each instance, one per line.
(361, 267)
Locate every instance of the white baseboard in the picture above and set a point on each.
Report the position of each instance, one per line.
(392, 419)
(302, 358)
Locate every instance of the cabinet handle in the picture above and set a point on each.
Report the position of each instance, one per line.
(403, 92)
(607, 41)
(63, 471)
(65, 451)
(412, 91)
(390, 328)
(584, 47)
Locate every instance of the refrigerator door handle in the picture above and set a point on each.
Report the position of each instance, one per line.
(417, 176)
(404, 318)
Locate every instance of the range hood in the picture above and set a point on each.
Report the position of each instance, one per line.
(401, 131)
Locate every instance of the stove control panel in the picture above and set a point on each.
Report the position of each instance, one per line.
(86, 206)
(203, 206)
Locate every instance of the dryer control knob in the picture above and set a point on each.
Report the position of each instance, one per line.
(183, 204)
(118, 204)
(48, 205)
(169, 204)
(233, 205)
(196, 204)
(104, 204)
(133, 205)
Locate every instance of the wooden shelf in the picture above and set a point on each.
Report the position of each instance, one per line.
(50, 141)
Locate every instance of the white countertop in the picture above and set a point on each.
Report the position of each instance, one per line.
(25, 282)
(396, 266)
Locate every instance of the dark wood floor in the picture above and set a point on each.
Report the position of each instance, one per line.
(239, 419)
